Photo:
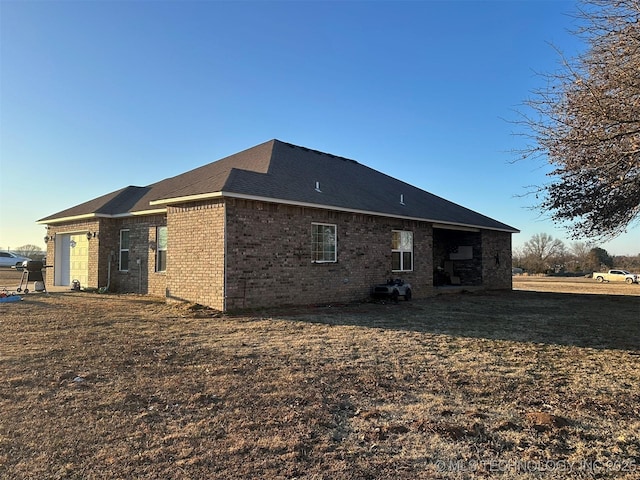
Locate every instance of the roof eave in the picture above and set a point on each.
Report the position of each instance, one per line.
(152, 211)
(223, 194)
(88, 216)
(187, 198)
(72, 218)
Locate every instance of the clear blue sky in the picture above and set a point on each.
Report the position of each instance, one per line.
(96, 96)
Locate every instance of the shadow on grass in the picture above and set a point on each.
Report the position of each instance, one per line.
(583, 320)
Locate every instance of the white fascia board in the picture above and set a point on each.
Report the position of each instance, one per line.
(187, 198)
(143, 212)
(73, 218)
(88, 216)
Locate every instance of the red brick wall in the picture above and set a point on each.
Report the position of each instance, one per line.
(269, 255)
(195, 265)
(140, 277)
(496, 260)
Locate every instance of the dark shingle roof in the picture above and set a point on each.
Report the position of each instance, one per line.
(287, 173)
(114, 203)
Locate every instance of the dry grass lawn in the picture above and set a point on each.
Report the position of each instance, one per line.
(507, 385)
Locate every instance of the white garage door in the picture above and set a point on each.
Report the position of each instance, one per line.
(72, 259)
(79, 259)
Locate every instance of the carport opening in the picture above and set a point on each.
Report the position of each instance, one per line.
(457, 257)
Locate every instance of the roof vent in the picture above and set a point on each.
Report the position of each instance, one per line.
(401, 199)
(318, 187)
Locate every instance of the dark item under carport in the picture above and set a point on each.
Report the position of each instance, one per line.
(31, 272)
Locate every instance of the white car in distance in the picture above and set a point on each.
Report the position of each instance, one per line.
(10, 259)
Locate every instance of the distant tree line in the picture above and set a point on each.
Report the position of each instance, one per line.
(540, 254)
(545, 254)
(30, 251)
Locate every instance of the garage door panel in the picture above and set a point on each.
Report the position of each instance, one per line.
(79, 259)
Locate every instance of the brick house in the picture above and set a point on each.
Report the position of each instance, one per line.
(275, 224)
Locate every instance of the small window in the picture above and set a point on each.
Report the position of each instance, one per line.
(323, 243)
(161, 251)
(124, 251)
(402, 251)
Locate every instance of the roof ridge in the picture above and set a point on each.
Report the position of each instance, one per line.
(319, 152)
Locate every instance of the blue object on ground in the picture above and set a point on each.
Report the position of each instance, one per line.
(10, 298)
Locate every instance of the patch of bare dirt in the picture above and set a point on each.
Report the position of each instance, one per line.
(508, 385)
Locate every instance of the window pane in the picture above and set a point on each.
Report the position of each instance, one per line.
(124, 260)
(407, 261)
(161, 263)
(161, 252)
(402, 250)
(395, 240)
(323, 243)
(395, 261)
(406, 241)
(161, 239)
(124, 250)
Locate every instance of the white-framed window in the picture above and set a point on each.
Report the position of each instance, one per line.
(161, 249)
(401, 251)
(123, 261)
(323, 243)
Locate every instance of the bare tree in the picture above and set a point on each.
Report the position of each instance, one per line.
(542, 252)
(586, 123)
(29, 251)
(627, 262)
(518, 257)
(580, 255)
